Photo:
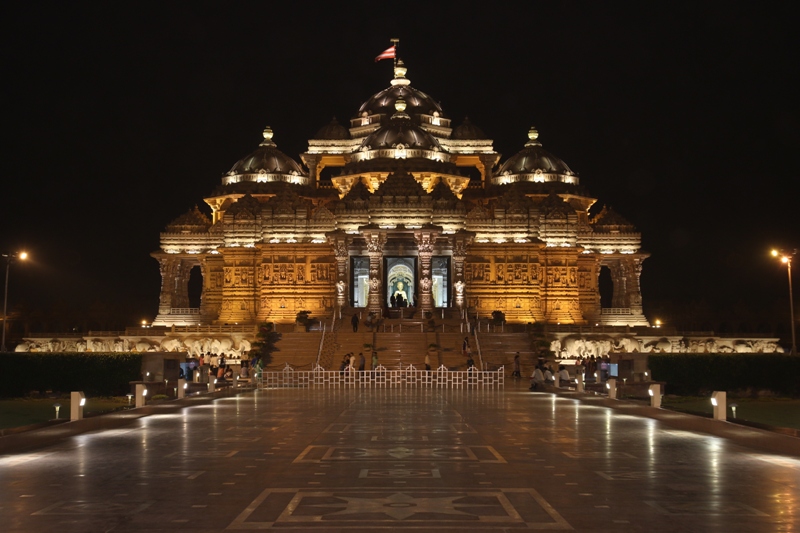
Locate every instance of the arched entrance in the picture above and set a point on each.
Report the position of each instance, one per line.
(400, 281)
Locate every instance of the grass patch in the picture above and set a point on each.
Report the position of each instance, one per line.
(780, 412)
(24, 412)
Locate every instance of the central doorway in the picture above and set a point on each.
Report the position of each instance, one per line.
(400, 281)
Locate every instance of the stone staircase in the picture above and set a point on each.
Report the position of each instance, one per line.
(297, 349)
(346, 342)
(498, 349)
(407, 348)
(402, 342)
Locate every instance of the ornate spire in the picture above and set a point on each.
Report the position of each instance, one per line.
(267, 133)
(400, 74)
(533, 136)
(400, 108)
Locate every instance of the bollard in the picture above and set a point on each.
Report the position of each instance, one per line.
(655, 395)
(141, 393)
(579, 387)
(76, 402)
(212, 385)
(182, 385)
(719, 401)
(556, 381)
(611, 387)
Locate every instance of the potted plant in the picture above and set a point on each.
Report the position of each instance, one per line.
(302, 321)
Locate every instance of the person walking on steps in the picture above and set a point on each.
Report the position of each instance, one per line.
(354, 322)
(515, 373)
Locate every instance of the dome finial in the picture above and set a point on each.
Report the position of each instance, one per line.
(267, 133)
(400, 108)
(400, 74)
(533, 136)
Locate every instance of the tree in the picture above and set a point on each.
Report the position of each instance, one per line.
(266, 341)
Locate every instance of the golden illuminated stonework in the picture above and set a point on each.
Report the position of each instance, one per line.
(400, 210)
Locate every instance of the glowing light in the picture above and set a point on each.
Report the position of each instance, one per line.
(274, 240)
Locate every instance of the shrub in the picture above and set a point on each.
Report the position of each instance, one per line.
(498, 318)
(97, 374)
(695, 374)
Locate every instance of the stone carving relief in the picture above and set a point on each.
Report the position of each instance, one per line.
(459, 285)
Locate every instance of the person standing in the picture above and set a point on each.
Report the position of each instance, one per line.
(354, 322)
(515, 373)
(362, 362)
(374, 360)
(428, 362)
(465, 346)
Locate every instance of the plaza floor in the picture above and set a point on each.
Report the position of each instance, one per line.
(401, 459)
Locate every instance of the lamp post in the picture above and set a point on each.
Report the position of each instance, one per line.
(10, 257)
(786, 258)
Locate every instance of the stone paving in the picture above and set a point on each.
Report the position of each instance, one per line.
(400, 459)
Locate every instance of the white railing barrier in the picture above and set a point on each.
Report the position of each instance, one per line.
(406, 377)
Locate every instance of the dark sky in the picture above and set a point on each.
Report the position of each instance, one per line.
(120, 116)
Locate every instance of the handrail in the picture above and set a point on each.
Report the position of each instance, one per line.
(478, 346)
(321, 342)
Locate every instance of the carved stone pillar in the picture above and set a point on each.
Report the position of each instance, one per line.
(633, 272)
(488, 161)
(169, 268)
(312, 162)
(425, 247)
(375, 244)
(460, 242)
(338, 239)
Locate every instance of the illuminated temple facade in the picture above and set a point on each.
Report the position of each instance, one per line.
(401, 209)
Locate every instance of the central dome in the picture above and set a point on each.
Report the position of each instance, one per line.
(401, 132)
(417, 102)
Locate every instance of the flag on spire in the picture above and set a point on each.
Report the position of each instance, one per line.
(389, 53)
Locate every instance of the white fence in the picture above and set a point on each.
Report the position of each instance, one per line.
(408, 377)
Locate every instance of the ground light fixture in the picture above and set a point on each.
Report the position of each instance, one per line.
(58, 408)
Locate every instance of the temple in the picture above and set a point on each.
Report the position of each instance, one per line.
(400, 210)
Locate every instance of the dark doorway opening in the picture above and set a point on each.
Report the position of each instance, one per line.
(195, 286)
(606, 285)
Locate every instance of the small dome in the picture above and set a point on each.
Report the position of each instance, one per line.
(468, 131)
(193, 221)
(333, 131)
(266, 159)
(532, 158)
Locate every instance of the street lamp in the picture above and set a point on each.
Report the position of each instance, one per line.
(786, 258)
(9, 257)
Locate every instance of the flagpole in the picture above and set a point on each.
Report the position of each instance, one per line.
(395, 43)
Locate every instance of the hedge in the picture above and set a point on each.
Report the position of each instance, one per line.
(694, 374)
(97, 374)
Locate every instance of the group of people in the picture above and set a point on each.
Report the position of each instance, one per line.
(543, 375)
(594, 368)
(352, 363)
(219, 369)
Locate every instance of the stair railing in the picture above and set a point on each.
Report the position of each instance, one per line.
(478, 347)
(321, 342)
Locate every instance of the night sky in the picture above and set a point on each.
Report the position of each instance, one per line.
(120, 116)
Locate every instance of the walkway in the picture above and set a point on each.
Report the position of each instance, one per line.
(379, 459)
